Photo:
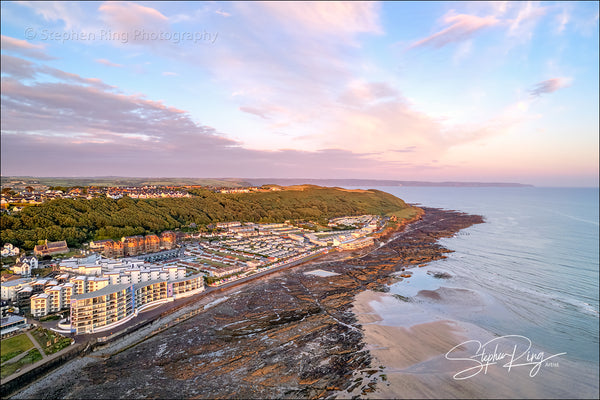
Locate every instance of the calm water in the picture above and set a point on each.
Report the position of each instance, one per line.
(535, 262)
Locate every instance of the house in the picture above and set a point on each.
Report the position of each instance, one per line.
(22, 269)
(51, 248)
(9, 250)
(31, 261)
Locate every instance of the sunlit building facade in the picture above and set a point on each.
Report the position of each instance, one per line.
(113, 305)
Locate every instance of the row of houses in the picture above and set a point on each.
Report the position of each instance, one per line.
(130, 246)
(34, 196)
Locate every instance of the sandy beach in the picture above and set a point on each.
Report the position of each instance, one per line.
(412, 351)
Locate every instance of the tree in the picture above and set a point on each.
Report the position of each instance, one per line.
(7, 191)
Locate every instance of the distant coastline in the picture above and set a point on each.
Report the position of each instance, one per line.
(237, 182)
(378, 182)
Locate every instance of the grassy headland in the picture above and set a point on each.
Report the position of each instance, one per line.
(78, 220)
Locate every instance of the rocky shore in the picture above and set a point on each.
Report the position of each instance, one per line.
(291, 335)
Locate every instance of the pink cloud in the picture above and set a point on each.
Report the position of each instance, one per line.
(104, 61)
(20, 68)
(75, 129)
(334, 18)
(462, 27)
(135, 22)
(24, 48)
(125, 15)
(360, 93)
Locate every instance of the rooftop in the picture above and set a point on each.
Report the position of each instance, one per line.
(11, 319)
(104, 291)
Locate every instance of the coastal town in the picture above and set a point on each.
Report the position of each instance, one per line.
(110, 282)
(23, 194)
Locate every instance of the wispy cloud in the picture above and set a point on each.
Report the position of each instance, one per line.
(518, 19)
(254, 111)
(223, 13)
(23, 69)
(336, 18)
(408, 149)
(526, 19)
(69, 13)
(461, 27)
(550, 86)
(104, 61)
(24, 48)
(562, 20)
(360, 93)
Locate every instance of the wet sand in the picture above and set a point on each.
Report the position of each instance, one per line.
(412, 352)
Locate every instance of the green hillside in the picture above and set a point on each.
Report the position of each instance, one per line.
(79, 221)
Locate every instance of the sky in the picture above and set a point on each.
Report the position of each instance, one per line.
(433, 91)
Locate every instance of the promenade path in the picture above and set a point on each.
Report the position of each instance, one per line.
(36, 344)
(17, 358)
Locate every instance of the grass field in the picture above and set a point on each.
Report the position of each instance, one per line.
(213, 263)
(220, 253)
(14, 346)
(32, 357)
(404, 213)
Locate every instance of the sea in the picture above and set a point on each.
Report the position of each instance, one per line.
(534, 262)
